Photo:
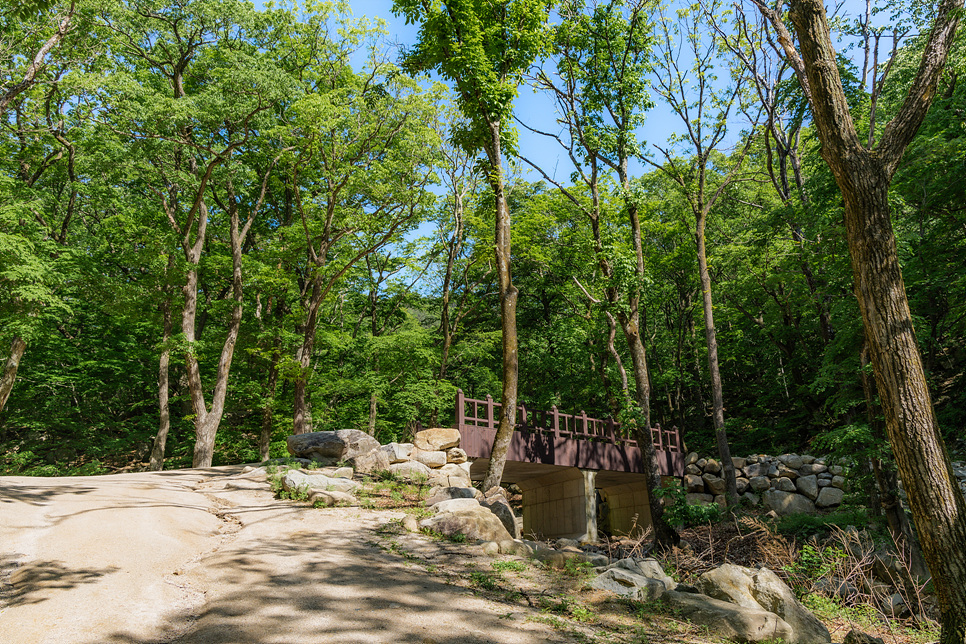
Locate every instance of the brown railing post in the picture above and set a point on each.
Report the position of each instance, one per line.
(489, 412)
(555, 425)
(460, 415)
(583, 416)
(523, 416)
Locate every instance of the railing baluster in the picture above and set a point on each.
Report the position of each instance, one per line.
(489, 411)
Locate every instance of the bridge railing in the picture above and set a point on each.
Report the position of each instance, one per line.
(485, 414)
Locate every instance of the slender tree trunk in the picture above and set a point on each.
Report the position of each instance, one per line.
(508, 315)
(9, 377)
(717, 396)
(268, 417)
(164, 422)
(373, 413)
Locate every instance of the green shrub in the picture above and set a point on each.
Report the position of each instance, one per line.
(678, 512)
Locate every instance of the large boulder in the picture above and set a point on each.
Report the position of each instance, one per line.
(456, 505)
(786, 503)
(693, 483)
(501, 508)
(728, 620)
(374, 461)
(762, 589)
(297, 479)
(714, 484)
(625, 583)
(476, 524)
(330, 447)
(437, 438)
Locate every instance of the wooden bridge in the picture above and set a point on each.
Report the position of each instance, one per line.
(564, 462)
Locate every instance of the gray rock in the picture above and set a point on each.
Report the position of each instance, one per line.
(397, 452)
(753, 470)
(693, 483)
(515, 547)
(773, 471)
(738, 462)
(714, 484)
(787, 472)
(455, 505)
(808, 485)
(858, 637)
(721, 500)
(692, 458)
(434, 459)
(628, 584)
(829, 496)
(785, 484)
(410, 523)
(751, 498)
(341, 444)
(438, 494)
(693, 469)
(451, 475)
(455, 455)
(786, 503)
(245, 484)
(297, 479)
(762, 589)
(839, 482)
(793, 461)
(701, 462)
(374, 461)
(759, 483)
(499, 507)
(477, 524)
(712, 466)
(411, 470)
(813, 468)
(836, 470)
(741, 483)
(649, 568)
(728, 620)
(823, 483)
(807, 460)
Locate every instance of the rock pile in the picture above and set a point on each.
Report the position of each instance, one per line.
(738, 603)
(434, 457)
(787, 484)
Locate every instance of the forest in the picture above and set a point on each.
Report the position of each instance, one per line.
(220, 224)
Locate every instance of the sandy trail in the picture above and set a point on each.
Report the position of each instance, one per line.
(186, 556)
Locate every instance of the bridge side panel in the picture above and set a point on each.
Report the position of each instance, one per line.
(560, 505)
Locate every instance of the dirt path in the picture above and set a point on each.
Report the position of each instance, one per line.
(208, 556)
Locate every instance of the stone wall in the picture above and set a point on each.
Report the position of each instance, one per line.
(788, 484)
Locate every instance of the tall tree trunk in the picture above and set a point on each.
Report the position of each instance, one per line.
(508, 315)
(304, 357)
(373, 413)
(164, 421)
(717, 396)
(863, 177)
(9, 377)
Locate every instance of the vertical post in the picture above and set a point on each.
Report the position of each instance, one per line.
(489, 412)
(583, 417)
(555, 425)
(611, 434)
(460, 416)
(523, 416)
(660, 438)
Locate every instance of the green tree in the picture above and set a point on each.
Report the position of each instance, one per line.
(483, 47)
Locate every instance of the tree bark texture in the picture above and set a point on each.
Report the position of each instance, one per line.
(164, 421)
(268, 416)
(717, 395)
(9, 377)
(508, 315)
(863, 176)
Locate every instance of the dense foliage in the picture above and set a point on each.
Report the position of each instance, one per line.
(347, 246)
